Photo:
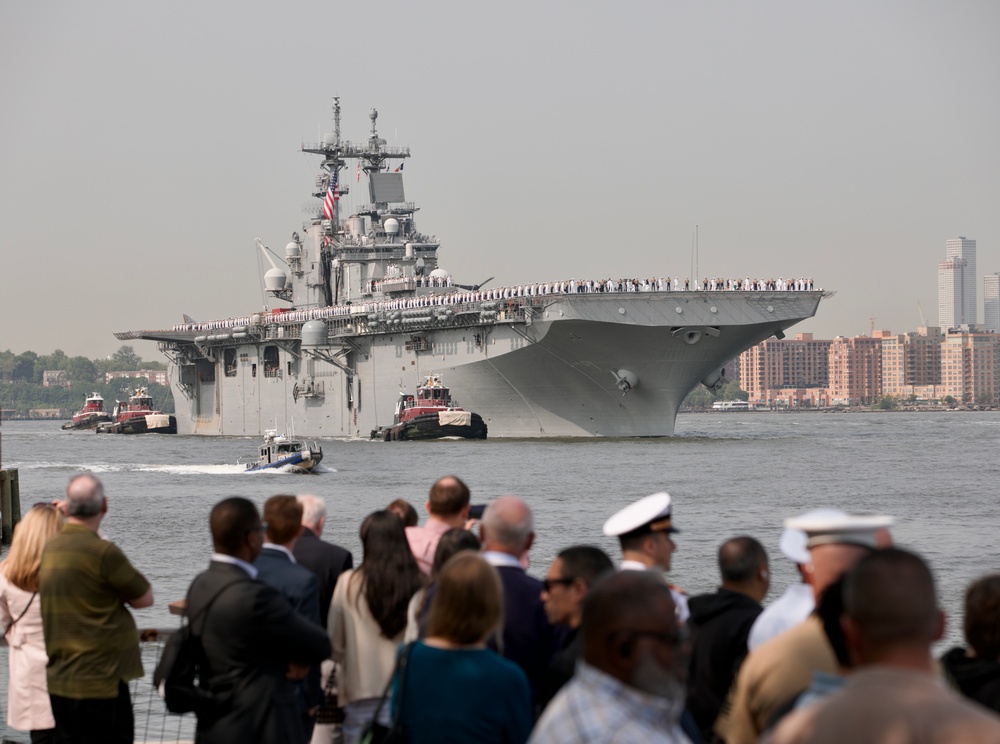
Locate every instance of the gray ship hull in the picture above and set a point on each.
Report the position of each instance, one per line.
(553, 373)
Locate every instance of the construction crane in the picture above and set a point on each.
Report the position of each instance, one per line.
(923, 318)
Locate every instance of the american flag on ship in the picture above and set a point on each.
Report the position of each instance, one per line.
(332, 194)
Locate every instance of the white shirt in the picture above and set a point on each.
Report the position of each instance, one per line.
(223, 558)
(283, 549)
(498, 559)
(787, 611)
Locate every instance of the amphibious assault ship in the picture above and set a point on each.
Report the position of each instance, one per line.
(370, 312)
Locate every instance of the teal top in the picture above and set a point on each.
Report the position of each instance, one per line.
(463, 695)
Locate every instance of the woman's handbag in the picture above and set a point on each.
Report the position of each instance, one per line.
(23, 613)
(374, 732)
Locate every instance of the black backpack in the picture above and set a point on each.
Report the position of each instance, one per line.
(177, 676)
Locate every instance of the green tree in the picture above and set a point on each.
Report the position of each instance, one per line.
(81, 369)
(125, 359)
(888, 403)
(25, 368)
(949, 400)
(733, 391)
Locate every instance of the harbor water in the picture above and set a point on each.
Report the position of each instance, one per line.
(729, 474)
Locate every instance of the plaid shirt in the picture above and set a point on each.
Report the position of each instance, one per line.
(596, 707)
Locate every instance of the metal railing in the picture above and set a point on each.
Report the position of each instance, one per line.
(153, 724)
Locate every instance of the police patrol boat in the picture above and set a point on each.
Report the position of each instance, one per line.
(278, 451)
(371, 311)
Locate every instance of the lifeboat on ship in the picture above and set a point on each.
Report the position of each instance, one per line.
(431, 414)
(138, 415)
(90, 415)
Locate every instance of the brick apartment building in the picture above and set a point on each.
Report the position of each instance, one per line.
(926, 363)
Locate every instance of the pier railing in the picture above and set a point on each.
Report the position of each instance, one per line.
(153, 724)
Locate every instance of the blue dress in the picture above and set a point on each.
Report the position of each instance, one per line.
(463, 695)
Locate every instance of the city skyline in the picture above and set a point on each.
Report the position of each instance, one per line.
(148, 147)
(957, 282)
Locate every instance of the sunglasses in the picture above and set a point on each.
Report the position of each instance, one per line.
(549, 583)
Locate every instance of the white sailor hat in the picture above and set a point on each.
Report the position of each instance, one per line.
(844, 529)
(793, 541)
(649, 514)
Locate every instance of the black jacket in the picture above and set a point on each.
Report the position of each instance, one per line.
(977, 679)
(249, 634)
(720, 624)
(327, 561)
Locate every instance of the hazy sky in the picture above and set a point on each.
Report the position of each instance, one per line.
(144, 146)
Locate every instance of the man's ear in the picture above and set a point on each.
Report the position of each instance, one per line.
(531, 541)
(940, 624)
(852, 638)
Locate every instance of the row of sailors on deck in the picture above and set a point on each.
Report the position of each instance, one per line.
(572, 286)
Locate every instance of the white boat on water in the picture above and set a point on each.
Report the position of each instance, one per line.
(371, 311)
(731, 405)
(279, 452)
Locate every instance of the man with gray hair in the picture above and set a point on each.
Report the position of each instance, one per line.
(507, 532)
(324, 559)
(90, 636)
(327, 561)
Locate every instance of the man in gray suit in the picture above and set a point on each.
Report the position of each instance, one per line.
(253, 639)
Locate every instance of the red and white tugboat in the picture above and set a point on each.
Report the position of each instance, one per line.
(138, 416)
(431, 414)
(90, 415)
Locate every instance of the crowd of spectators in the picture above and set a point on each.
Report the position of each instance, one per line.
(440, 634)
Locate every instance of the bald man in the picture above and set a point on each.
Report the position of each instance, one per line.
(507, 532)
(447, 507)
(90, 636)
(630, 685)
(892, 694)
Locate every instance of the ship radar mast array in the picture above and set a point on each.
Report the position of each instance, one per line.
(372, 157)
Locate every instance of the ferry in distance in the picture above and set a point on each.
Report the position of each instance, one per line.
(369, 311)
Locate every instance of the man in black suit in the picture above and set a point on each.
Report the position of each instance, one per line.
(277, 567)
(325, 560)
(507, 533)
(252, 638)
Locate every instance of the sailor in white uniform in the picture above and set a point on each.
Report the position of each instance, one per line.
(797, 601)
(643, 528)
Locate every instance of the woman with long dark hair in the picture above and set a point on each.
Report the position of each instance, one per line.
(368, 617)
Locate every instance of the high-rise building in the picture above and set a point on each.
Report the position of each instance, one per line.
(957, 284)
(991, 302)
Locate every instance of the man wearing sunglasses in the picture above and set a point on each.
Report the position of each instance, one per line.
(630, 684)
(570, 577)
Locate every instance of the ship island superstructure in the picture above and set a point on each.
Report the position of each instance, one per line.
(371, 313)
